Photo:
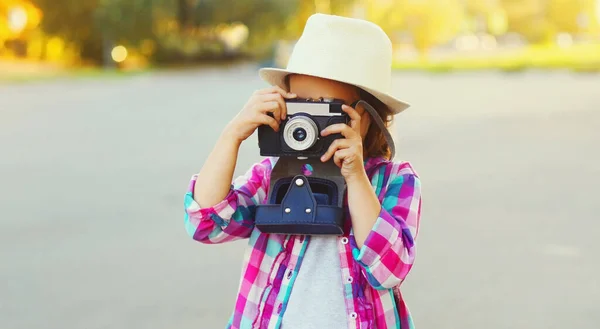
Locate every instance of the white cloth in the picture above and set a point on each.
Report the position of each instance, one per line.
(317, 297)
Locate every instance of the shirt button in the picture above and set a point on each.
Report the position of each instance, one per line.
(279, 308)
(289, 275)
(344, 240)
(353, 315)
(349, 279)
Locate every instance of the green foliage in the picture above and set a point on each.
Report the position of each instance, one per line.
(189, 29)
(266, 19)
(94, 25)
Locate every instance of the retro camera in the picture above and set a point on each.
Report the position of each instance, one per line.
(299, 202)
(300, 134)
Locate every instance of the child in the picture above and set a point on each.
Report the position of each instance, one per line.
(315, 282)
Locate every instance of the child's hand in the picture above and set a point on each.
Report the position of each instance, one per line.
(255, 112)
(347, 152)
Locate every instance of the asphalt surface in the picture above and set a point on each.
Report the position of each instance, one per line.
(93, 172)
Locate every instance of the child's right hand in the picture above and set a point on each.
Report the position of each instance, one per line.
(255, 112)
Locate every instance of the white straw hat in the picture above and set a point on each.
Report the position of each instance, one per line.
(349, 50)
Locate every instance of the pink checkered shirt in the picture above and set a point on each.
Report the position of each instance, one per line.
(371, 274)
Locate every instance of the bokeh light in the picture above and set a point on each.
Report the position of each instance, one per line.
(434, 35)
(119, 54)
(17, 19)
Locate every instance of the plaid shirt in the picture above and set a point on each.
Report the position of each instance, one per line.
(371, 274)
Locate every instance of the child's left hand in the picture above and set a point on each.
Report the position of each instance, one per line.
(347, 152)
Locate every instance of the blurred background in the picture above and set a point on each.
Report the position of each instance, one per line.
(427, 34)
(108, 107)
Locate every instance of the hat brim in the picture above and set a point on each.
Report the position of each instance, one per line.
(276, 77)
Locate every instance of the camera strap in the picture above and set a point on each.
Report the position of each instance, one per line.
(380, 124)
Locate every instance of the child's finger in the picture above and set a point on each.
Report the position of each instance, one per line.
(268, 120)
(278, 90)
(339, 128)
(351, 112)
(266, 107)
(337, 159)
(279, 99)
(284, 111)
(285, 93)
(340, 156)
(277, 115)
(337, 144)
(354, 116)
(270, 107)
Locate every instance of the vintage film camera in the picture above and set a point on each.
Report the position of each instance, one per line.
(305, 196)
(300, 134)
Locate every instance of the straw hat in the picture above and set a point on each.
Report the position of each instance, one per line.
(349, 50)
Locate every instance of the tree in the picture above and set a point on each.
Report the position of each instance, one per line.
(185, 26)
(573, 16)
(72, 20)
(185, 14)
(430, 22)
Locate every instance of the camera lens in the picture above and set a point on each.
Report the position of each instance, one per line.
(299, 134)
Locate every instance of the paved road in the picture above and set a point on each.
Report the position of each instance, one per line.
(92, 175)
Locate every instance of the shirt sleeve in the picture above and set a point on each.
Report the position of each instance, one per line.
(233, 218)
(388, 252)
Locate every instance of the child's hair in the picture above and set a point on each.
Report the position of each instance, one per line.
(375, 144)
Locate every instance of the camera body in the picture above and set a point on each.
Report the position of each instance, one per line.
(300, 133)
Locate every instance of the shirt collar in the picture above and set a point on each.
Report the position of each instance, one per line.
(371, 163)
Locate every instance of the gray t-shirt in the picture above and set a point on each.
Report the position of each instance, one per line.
(317, 297)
